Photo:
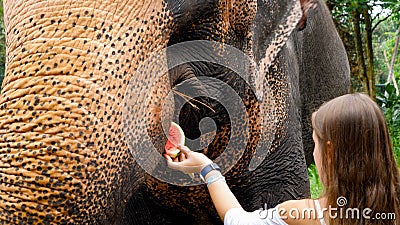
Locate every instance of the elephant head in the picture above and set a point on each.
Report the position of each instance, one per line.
(64, 156)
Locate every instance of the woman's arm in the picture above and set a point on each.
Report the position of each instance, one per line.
(221, 195)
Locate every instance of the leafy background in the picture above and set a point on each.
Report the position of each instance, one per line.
(379, 20)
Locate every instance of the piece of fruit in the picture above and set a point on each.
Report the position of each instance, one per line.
(176, 138)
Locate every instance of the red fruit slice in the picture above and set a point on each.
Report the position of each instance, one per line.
(176, 137)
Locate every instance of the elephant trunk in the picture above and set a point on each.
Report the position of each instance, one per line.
(63, 154)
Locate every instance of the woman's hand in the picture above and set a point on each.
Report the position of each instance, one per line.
(193, 162)
(189, 161)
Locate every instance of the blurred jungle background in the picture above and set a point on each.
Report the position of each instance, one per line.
(370, 31)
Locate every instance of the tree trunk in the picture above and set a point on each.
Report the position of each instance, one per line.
(362, 76)
(393, 62)
(370, 53)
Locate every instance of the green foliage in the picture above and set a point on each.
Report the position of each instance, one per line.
(390, 105)
(342, 8)
(315, 183)
(385, 18)
(384, 40)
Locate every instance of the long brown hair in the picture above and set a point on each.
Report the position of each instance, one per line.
(361, 166)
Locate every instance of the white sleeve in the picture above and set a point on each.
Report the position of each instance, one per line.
(238, 216)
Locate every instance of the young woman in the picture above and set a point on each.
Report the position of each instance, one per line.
(354, 157)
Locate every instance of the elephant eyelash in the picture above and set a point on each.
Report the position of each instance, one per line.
(189, 99)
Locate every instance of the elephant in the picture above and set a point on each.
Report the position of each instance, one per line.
(64, 156)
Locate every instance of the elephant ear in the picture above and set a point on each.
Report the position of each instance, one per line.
(274, 23)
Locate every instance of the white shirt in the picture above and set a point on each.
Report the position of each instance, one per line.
(238, 216)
